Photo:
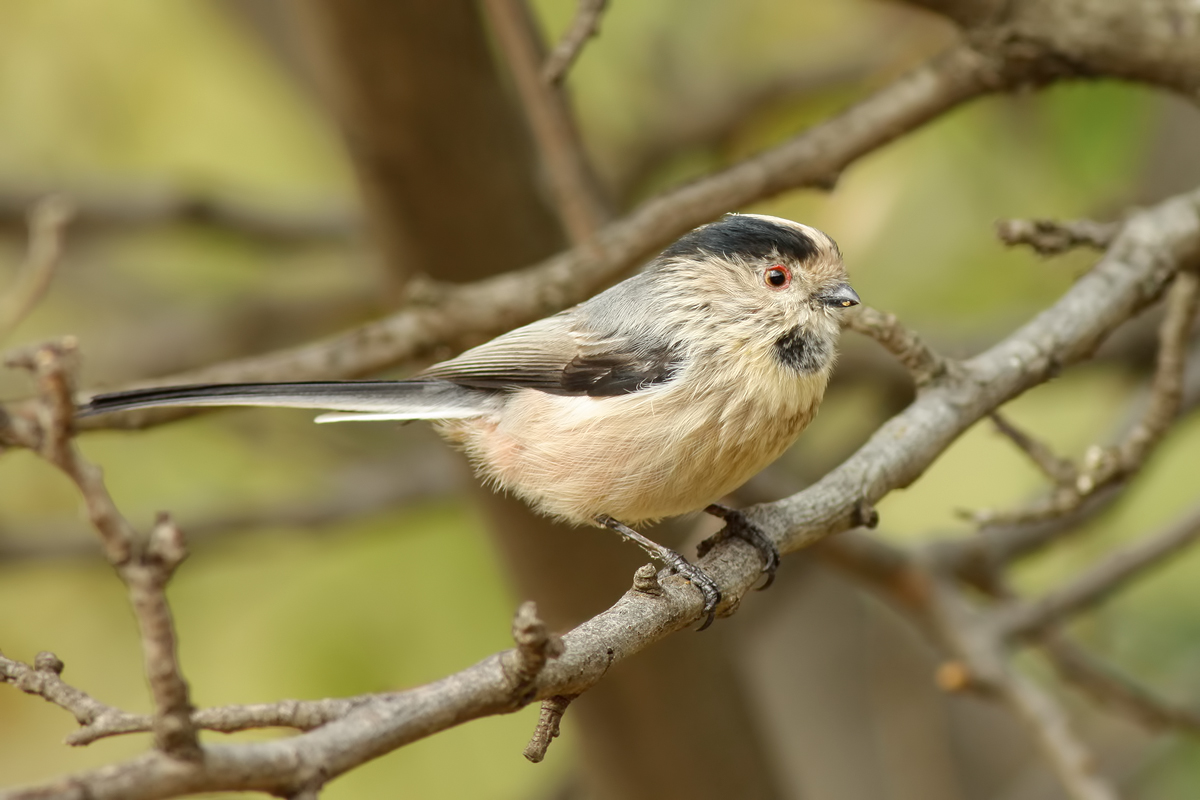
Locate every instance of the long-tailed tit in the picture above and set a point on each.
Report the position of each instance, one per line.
(654, 398)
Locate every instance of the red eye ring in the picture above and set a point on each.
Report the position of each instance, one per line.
(777, 277)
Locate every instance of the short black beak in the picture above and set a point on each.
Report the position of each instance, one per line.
(841, 296)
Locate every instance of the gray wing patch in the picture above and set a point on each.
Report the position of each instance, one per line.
(551, 356)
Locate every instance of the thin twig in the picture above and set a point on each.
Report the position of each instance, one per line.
(1166, 388)
(47, 221)
(1051, 237)
(1110, 688)
(1104, 466)
(54, 409)
(918, 358)
(549, 721)
(979, 645)
(147, 577)
(302, 715)
(1073, 763)
(711, 122)
(1059, 470)
(584, 26)
(127, 208)
(978, 558)
(579, 198)
(522, 666)
(535, 646)
(99, 720)
(144, 568)
(1102, 580)
(44, 679)
(903, 577)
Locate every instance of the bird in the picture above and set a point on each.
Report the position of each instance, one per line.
(654, 398)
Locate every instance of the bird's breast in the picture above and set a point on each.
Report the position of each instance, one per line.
(646, 455)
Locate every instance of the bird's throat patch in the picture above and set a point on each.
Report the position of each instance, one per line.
(801, 350)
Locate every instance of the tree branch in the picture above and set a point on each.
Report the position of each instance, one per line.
(48, 219)
(578, 196)
(535, 647)
(99, 720)
(144, 567)
(44, 680)
(978, 558)
(584, 26)
(1059, 470)
(1046, 42)
(711, 123)
(145, 207)
(1102, 580)
(1051, 237)
(1106, 466)
(1110, 688)
(922, 362)
(979, 645)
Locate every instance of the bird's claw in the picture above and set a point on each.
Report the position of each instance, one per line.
(739, 526)
(701, 580)
(677, 564)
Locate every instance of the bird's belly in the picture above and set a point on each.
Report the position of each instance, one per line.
(636, 457)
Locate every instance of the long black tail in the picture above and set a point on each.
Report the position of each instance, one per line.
(415, 399)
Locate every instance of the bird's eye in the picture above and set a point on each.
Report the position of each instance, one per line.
(777, 277)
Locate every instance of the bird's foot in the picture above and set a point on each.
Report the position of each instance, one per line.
(739, 526)
(677, 563)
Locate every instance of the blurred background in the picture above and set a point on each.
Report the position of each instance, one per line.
(223, 214)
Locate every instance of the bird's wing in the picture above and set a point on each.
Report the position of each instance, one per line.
(561, 355)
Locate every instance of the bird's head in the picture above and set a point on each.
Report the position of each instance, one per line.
(763, 278)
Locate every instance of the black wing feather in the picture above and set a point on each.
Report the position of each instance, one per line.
(609, 374)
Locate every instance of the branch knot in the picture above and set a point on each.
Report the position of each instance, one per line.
(536, 645)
